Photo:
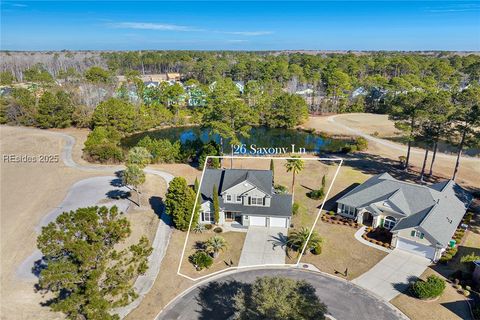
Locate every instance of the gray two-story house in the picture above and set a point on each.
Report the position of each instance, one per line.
(245, 196)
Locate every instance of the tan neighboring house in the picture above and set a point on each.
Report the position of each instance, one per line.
(422, 219)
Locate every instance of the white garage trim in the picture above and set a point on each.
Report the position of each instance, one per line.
(416, 248)
(258, 221)
(278, 222)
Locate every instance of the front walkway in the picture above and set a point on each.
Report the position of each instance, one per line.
(392, 274)
(263, 245)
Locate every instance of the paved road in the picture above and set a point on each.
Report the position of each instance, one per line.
(84, 193)
(391, 275)
(212, 299)
(263, 245)
(392, 145)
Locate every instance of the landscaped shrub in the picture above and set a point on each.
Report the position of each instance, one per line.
(218, 230)
(295, 208)
(280, 189)
(317, 250)
(201, 260)
(316, 194)
(208, 226)
(429, 289)
(445, 258)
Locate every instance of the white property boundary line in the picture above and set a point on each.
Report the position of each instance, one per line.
(340, 160)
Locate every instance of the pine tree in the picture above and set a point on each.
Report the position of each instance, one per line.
(84, 273)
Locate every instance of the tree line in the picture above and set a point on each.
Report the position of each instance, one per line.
(433, 116)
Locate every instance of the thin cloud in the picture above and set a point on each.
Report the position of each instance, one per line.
(248, 33)
(20, 5)
(237, 40)
(152, 26)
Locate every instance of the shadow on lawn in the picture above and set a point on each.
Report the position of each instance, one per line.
(216, 299)
(459, 307)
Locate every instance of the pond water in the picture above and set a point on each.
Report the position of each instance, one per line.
(260, 137)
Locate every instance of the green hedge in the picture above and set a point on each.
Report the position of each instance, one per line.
(431, 288)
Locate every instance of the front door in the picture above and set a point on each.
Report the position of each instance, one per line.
(367, 218)
(229, 216)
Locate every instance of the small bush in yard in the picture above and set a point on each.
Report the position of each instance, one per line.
(295, 208)
(317, 250)
(431, 288)
(217, 230)
(208, 226)
(201, 260)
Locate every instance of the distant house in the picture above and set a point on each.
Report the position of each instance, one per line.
(422, 219)
(246, 197)
(151, 84)
(240, 86)
(173, 76)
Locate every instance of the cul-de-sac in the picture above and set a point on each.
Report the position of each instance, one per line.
(240, 160)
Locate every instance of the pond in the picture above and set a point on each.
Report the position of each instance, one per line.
(260, 137)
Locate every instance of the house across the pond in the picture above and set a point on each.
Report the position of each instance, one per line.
(246, 197)
(422, 219)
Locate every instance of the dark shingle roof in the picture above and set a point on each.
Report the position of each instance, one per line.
(280, 204)
(225, 179)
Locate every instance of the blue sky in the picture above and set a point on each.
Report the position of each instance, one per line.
(248, 25)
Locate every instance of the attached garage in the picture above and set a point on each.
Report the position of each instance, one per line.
(416, 248)
(258, 221)
(278, 222)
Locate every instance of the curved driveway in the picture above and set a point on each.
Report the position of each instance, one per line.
(212, 299)
(91, 196)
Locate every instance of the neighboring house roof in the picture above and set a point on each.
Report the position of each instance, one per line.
(280, 204)
(436, 210)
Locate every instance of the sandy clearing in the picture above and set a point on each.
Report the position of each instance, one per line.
(45, 185)
(28, 191)
(469, 170)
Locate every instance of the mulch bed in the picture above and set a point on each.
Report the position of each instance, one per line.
(378, 236)
(336, 219)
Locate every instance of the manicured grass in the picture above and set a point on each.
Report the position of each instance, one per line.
(232, 253)
(451, 305)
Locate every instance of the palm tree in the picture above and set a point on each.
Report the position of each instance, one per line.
(295, 166)
(297, 239)
(215, 244)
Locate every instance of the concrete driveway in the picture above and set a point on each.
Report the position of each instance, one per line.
(263, 245)
(391, 275)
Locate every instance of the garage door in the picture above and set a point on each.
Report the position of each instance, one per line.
(278, 222)
(416, 248)
(258, 221)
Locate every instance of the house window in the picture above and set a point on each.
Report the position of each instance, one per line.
(389, 222)
(254, 201)
(348, 210)
(228, 198)
(239, 198)
(418, 234)
(207, 216)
